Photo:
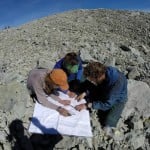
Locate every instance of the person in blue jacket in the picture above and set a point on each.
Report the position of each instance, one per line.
(107, 93)
(72, 65)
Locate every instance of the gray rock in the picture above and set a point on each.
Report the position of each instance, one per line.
(14, 97)
(45, 63)
(138, 97)
(138, 125)
(118, 136)
(144, 49)
(7, 146)
(146, 123)
(85, 55)
(135, 51)
(111, 62)
(133, 73)
(89, 142)
(125, 48)
(2, 136)
(140, 60)
(12, 76)
(138, 141)
(3, 120)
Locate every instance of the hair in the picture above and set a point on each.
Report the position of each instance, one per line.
(71, 58)
(94, 70)
(49, 85)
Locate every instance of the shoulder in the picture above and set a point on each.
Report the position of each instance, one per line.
(38, 72)
(112, 71)
(60, 60)
(112, 75)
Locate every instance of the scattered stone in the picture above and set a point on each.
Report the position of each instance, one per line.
(138, 125)
(138, 97)
(144, 49)
(2, 136)
(147, 123)
(118, 136)
(135, 51)
(138, 141)
(133, 73)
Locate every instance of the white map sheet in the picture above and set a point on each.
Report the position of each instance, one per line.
(49, 121)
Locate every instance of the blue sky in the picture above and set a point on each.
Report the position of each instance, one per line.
(17, 12)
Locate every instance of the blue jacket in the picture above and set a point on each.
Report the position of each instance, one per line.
(113, 90)
(73, 76)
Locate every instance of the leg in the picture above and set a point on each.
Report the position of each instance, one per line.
(102, 116)
(114, 115)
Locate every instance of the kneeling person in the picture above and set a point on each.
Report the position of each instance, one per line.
(108, 94)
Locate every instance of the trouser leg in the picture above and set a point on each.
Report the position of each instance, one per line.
(114, 115)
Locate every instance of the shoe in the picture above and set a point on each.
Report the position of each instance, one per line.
(108, 131)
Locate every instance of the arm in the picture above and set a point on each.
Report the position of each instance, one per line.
(64, 102)
(103, 105)
(42, 99)
(56, 98)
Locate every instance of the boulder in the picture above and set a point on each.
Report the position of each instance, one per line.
(138, 99)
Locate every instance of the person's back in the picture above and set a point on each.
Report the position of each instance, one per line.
(36, 78)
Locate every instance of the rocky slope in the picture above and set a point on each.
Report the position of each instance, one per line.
(118, 38)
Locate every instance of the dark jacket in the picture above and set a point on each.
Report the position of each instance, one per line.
(72, 76)
(112, 91)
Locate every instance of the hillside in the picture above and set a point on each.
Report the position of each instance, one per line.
(117, 38)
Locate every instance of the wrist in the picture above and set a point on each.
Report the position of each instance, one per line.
(84, 94)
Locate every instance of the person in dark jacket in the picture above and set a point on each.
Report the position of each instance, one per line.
(72, 65)
(107, 93)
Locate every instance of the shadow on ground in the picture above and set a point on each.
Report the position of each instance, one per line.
(20, 141)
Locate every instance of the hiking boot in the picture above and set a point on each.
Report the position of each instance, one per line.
(108, 131)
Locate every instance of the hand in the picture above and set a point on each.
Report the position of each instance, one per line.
(81, 107)
(71, 94)
(63, 111)
(81, 96)
(89, 105)
(64, 102)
